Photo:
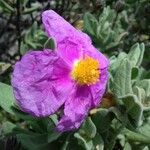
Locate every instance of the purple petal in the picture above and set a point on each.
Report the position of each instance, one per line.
(40, 82)
(70, 41)
(76, 109)
(58, 28)
(98, 89)
(70, 51)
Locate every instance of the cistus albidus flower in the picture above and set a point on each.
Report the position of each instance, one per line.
(74, 75)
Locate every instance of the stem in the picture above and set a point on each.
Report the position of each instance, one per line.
(18, 26)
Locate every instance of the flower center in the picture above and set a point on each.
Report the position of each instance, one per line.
(86, 71)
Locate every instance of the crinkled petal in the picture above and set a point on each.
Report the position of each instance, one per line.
(40, 82)
(70, 41)
(70, 51)
(98, 89)
(76, 109)
(95, 53)
(58, 28)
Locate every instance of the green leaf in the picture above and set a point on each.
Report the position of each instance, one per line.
(23, 49)
(101, 31)
(7, 99)
(85, 144)
(139, 92)
(7, 102)
(122, 139)
(5, 5)
(32, 9)
(86, 133)
(90, 23)
(53, 136)
(72, 142)
(88, 128)
(136, 137)
(134, 108)
(33, 39)
(145, 128)
(122, 79)
(115, 62)
(145, 84)
(136, 54)
(145, 148)
(98, 142)
(51, 128)
(22, 115)
(120, 115)
(102, 120)
(33, 141)
(8, 127)
(127, 146)
(50, 44)
(4, 67)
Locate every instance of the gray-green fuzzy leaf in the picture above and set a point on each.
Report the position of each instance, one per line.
(134, 108)
(136, 54)
(7, 99)
(122, 79)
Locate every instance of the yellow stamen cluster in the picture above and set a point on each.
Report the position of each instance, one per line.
(86, 71)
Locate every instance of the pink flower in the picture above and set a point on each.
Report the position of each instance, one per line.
(73, 76)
